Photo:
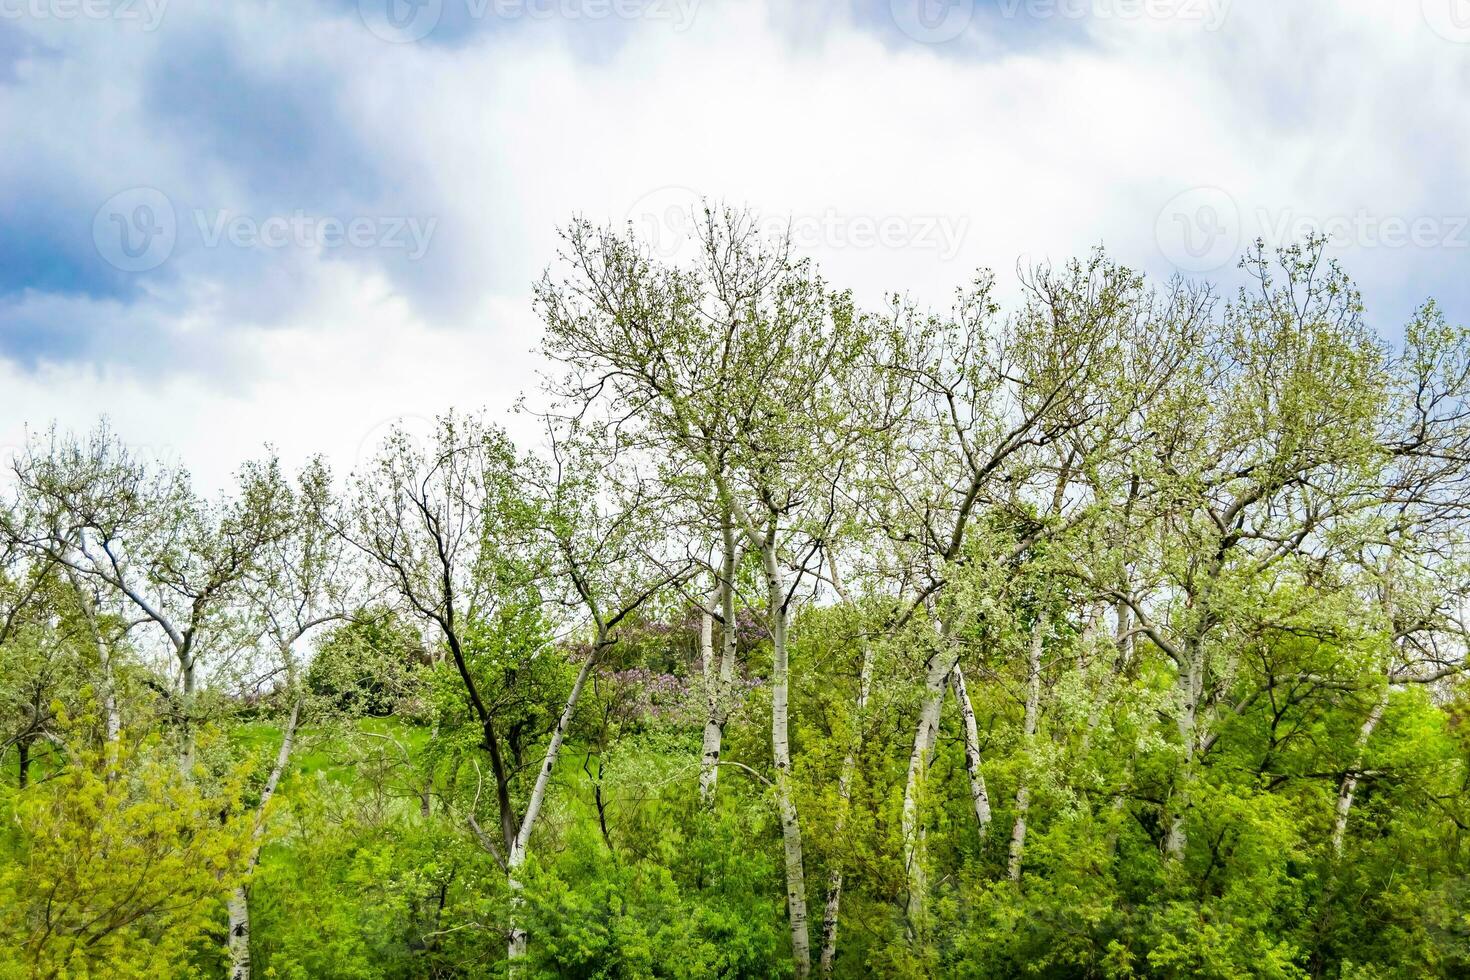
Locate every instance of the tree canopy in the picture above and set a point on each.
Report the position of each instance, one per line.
(1114, 631)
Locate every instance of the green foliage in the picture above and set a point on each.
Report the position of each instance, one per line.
(369, 665)
(117, 866)
(700, 907)
(346, 891)
(1120, 636)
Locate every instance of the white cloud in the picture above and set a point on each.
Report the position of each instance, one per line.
(1316, 109)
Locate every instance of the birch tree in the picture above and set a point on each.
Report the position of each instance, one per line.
(988, 394)
(741, 364)
(179, 562)
(1259, 447)
(301, 582)
(1414, 552)
(594, 519)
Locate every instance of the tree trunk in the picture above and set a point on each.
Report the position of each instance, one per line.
(979, 796)
(1349, 786)
(23, 757)
(239, 934)
(717, 676)
(1350, 778)
(516, 947)
(519, 846)
(1123, 654)
(844, 803)
(1191, 682)
(709, 757)
(109, 699)
(781, 755)
(718, 680)
(940, 663)
(1028, 737)
(1123, 639)
(186, 754)
(239, 904)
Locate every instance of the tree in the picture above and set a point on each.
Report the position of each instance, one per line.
(987, 396)
(762, 419)
(90, 506)
(295, 585)
(119, 866)
(593, 519)
(427, 519)
(1115, 632)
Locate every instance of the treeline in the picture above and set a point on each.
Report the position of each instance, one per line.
(1116, 634)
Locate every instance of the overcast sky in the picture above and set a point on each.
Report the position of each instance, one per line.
(226, 224)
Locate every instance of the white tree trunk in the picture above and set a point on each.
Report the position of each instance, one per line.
(239, 907)
(781, 756)
(109, 699)
(1028, 739)
(940, 663)
(1350, 780)
(516, 947)
(709, 758)
(1349, 787)
(239, 904)
(718, 685)
(844, 802)
(1123, 647)
(979, 796)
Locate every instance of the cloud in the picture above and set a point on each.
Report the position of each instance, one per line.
(267, 119)
(904, 151)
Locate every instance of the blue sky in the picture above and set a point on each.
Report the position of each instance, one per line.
(231, 223)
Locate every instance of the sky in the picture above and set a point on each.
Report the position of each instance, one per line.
(227, 224)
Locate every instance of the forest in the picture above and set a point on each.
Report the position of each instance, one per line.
(1088, 627)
